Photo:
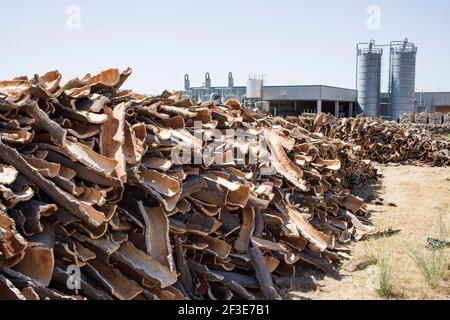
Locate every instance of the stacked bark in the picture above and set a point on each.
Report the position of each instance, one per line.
(436, 118)
(382, 141)
(93, 204)
(447, 119)
(407, 118)
(421, 118)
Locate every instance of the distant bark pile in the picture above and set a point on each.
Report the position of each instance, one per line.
(383, 141)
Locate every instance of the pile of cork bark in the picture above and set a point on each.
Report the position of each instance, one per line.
(382, 141)
(435, 122)
(109, 194)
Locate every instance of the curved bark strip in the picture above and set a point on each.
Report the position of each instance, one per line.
(306, 230)
(47, 169)
(222, 180)
(269, 245)
(93, 196)
(353, 204)
(334, 164)
(153, 181)
(178, 111)
(240, 197)
(8, 174)
(134, 147)
(57, 133)
(82, 171)
(203, 223)
(93, 103)
(298, 244)
(30, 294)
(49, 82)
(162, 183)
(113, 280)
(81, 116)
(82, 131)
(321, 264)
(123, 77)
(243, 280)
(282, 163)
(239, 290)
(215, 246)
(11, 242)
(102, 246)
(39, 260)
(183, 267)
(22, 281)
(176, 122)
(160, 164)
(109, 78)
(157, 235)
(90, 158)
(80, 210)
(205, 272)
(214, 194)
(32, 211)
(93, 233)
(78, 92)
(263, 275)
(248, 225)
(272, 263)
(112, 139)
(206, 208)
(38, 264)
(68, 186)
(145, 265)
(13, 197)
(8, 291)
(14, 93)
(16, 136)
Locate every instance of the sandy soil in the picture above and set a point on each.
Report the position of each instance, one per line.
(420, 195)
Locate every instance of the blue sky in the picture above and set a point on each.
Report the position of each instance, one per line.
(292, 42)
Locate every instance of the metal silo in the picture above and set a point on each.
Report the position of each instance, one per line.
(403, 79)
(369, 79)
(254, 87)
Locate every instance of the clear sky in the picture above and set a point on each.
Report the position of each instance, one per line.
(291, 41)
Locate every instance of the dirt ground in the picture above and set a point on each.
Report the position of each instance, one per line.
(419, 196)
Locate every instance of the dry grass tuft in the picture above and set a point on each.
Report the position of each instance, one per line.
(382, 279)
(431, 263)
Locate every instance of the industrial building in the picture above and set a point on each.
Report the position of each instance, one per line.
(280, 100)
(366, 98)
(423, 102)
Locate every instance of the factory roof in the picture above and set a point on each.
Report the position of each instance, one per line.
(308, 92)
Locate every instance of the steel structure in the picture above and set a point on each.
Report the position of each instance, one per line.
(402, 79)
(369, 79)
(402, 76)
